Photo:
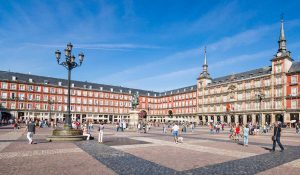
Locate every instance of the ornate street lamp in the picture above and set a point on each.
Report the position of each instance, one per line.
(260, 96)
(69, 64)
(67, 133)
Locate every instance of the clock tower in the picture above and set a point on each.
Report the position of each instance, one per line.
(282, 61)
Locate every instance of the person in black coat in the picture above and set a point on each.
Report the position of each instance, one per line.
(276, 136)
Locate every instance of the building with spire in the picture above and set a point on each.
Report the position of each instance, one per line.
(265, 94)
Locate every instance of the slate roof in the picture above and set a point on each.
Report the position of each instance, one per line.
(243, 75)
(20, 77)
(295, 67)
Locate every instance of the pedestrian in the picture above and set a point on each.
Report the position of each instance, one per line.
(100, 129)
(246, 135)
(276, 137)
(237, 132)
(297, 128)
(85, 132)
(192, 127)
(164, 128)
(223, 126)
(30, 131)
(175, 129)
(139, 127)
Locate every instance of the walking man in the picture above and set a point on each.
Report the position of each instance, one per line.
(30, 131)
(276, 137)
(101, 129)
(175, 132)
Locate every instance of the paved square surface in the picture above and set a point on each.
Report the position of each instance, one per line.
(131, 152)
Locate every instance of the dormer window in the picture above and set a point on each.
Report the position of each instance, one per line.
(73, 85)
(101, 88)
(154, 95)
(121, 90)
(148, 94)
(14, 78)
(59, 83)
(46, 82)
(30, 80)
(90, 87)
(84, 86)
(129, 91)
(111, 89)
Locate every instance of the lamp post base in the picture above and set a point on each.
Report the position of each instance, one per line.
(66, 135)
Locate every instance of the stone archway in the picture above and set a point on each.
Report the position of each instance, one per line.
(241, 119)
(257, 118)
(249, 118)
(268, 118)
(294, 116)
(218, 118)
(225, 118)
(232, 119)
(279, 117)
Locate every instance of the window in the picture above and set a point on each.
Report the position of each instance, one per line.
(267, 82)
(38, 88)
(294, 104)
(294, 79)
(278, 68)
(30, 96)
(257, 83)
(22, 87)
(46, 89)
(278, 80)
(4, 95)
(13, 95)
(294, 91)
(21, 96)
(52, 90)
(13, 86)
(30, 88)
(4, 85)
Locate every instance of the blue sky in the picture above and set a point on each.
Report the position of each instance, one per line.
(147, 44)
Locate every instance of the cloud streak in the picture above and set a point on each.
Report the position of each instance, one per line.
(100, 46)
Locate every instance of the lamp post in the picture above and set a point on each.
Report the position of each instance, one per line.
(50, 102)
(69, 64)
(260, 96)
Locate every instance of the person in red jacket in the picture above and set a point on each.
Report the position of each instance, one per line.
(237, 132)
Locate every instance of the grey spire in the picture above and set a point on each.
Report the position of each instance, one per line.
(204, 73)
(205, 61)
(282, 41)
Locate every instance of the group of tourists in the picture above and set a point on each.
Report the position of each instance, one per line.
(240, 131)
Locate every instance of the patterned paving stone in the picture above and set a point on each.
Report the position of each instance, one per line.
(20, 154)
(113, 141)
(121, 162)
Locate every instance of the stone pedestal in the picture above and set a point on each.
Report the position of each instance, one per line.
(133, 119)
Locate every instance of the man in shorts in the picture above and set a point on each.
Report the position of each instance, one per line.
(175, 130)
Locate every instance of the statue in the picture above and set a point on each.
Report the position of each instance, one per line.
(135, 101)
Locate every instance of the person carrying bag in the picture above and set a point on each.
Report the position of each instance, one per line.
(276, 137)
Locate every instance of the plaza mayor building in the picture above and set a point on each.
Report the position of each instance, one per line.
(265, 94)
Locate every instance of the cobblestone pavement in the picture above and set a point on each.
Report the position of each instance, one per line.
(151, 153)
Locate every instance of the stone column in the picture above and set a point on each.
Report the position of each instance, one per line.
(236, 118)
(244, 119)
(215, 119)
(263, 119)
(228, 119)
(273, 118)
(204, 119)
(222, 118)
(253, 118)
